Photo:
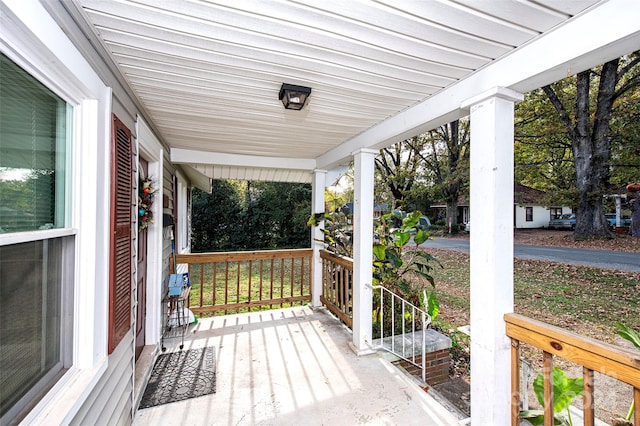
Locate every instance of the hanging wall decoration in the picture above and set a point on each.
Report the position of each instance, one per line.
(146, 194)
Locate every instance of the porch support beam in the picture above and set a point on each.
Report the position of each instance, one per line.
(317, 236)
(491, 251)
(362, 249)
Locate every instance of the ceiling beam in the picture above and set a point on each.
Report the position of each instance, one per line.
(189, 156)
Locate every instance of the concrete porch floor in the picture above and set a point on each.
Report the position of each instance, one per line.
(294, 367)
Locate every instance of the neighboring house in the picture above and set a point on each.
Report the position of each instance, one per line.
(439, 210)
(528, 209)
(97, 95)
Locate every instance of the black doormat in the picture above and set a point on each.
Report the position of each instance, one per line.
(177, 376)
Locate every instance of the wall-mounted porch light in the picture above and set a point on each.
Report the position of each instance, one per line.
(294, 97)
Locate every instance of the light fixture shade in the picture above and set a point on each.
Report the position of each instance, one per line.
(294, 97)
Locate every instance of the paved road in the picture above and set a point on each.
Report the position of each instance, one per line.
(598, 258)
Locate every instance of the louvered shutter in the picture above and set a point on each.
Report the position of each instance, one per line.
(121, 220)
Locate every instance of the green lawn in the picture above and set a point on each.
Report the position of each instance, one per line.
(586, 300)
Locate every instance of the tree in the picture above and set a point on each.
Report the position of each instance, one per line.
(397, 168)
(543, 157)
(587, 122)
(247, 215)
(276, 215)
(215, 218)
(445, 156)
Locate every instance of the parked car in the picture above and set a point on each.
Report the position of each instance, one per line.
(565, 221)
(611, 218)
(424, 222)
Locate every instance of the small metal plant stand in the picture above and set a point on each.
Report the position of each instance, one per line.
(176, 316)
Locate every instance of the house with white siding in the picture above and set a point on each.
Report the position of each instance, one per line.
(529, 209)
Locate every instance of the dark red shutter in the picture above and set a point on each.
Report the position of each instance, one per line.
(121, 220)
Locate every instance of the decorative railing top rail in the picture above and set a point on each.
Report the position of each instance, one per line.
(234, 256)
(345, 262)
(620, 363)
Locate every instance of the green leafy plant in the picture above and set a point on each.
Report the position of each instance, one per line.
(633, 336)
(564, 392)
(338, 233)
(395, 266)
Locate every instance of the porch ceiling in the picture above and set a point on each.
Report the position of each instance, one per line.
(208, 73)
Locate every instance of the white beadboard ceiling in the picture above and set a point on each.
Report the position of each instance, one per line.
(208, 72)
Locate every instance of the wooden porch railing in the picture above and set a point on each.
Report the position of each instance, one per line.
(337, 285)
(242, 281)
(593, 355)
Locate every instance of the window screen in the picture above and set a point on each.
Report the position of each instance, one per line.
(33, 122)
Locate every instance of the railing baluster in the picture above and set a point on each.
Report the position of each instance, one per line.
(261, 276)
(345, 290)
(381, 316)
(587, 397)
(226, 285)
(393, 317)
(547, 372)
(403, 330)
(281, 281)
(310, 277)
(238, 287)
(271, 282)
(515, 382)
(636, 402)
(302, 276)
(292, 278)
(413, 331)
(201, 281)
(215, 283)
(424, 347)
(249, 285)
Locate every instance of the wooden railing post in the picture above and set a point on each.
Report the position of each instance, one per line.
(515, 382)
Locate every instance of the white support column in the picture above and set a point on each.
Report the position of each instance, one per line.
(317, 236)
(491, 251)
(362, 249)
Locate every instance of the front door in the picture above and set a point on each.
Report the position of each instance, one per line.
(141, 308)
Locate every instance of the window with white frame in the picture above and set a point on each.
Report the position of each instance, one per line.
(555, 212)
(36, 264)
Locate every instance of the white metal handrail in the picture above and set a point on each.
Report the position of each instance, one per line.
(409, 341)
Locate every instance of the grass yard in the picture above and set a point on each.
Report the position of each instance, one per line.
(585, 300)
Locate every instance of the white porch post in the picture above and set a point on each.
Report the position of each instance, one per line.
(362, 249)
(491, 251)
(317, 236)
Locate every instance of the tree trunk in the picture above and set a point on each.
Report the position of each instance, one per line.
(592, 152)
(452, 211)
(591, 147)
